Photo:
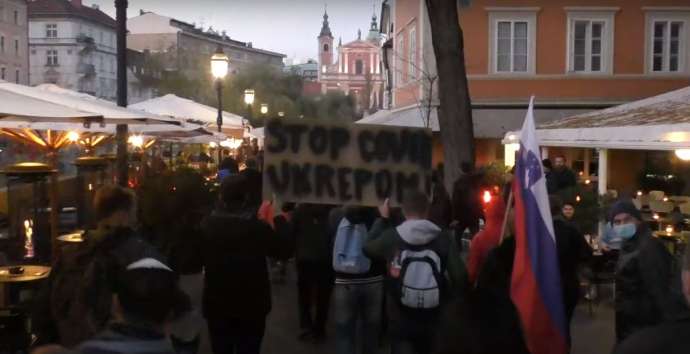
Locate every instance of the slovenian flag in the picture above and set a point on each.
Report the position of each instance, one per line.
(536, 281)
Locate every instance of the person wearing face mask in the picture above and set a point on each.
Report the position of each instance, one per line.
(648, 288)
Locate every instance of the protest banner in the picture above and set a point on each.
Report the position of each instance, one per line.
(323, 162)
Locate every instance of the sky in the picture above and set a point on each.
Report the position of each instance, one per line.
(285, 26)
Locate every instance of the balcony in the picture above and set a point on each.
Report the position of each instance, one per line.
(86, 69)
(88, 42)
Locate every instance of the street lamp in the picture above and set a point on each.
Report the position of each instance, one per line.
(264, 108)
(219, 68)
(249, 100)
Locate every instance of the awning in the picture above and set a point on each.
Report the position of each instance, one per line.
(184, 109)
(657, 123)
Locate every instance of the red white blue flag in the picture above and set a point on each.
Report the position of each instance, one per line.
(536, 282)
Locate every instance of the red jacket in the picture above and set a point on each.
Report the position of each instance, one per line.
(485, 240)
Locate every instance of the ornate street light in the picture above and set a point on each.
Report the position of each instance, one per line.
(264, 108)
(219, 69)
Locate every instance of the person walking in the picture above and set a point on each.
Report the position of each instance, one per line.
(419, 255)
(647, 291)
(237, 291)
(313, 254)
(670, 337)
(76, 300)
(358, 282)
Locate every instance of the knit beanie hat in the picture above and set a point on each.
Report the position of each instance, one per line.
(624, 206)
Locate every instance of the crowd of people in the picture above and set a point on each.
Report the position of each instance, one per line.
(393, 275)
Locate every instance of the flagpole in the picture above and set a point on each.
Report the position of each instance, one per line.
(509, 208)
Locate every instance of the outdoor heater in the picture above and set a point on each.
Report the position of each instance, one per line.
(27, 236)
(92, 173)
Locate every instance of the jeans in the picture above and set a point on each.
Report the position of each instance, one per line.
(314, 286)
(357, 311)
(413, 336)
(236, 336)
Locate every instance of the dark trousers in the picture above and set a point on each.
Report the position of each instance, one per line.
(235, 335)
(314, 284)
(413, 336)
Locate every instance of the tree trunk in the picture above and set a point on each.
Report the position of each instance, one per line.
(455, 111)
(121, 129)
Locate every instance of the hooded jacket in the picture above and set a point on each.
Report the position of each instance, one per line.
(384, 241)
(234, 248)
(648, 289)
(121, 338)
(486, 239)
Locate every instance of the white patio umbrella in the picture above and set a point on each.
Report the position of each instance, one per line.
(183, 109)
(110, 112)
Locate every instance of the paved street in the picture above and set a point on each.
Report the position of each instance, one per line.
(591, 334)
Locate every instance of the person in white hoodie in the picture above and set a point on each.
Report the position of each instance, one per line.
(424, 271)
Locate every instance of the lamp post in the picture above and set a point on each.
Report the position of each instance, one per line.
(249, 100)
(219, 69)
(121, 129)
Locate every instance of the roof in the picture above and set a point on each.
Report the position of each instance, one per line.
(360, 43)
(668, 108)
(43, 8)
(657, 123)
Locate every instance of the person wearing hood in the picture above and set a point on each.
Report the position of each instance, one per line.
(648, 290)
(424, 273)
(237, 291)
(668, 338)
(486, 239)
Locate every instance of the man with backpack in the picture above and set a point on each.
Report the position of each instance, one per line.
(76, 301)
(358, 282)
(424, 271)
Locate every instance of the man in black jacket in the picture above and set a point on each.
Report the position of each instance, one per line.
(668, 338)
(647, 283)
(237, 291)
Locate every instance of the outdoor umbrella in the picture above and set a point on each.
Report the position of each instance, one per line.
(184, 109)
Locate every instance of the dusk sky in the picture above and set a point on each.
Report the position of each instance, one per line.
(286, 26)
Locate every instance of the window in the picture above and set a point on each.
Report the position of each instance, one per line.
(511, 46)
(51, 57)
(16, 17)
(412, 55)
(590, 41)
(101, 37)
(16, 47)
(51, 30)
(359, 67)
(587, 46)
(2, 73)
(2, 44)
(325, 47)
(400, 62)
(667, 46)
(16, 76)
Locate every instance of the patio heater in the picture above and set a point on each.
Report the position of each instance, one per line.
(28, 231)
(91, 175)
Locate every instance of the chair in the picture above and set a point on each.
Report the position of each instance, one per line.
(679, 199)
(656, 195)
(685, 208)
(659, 206)
(637, 203)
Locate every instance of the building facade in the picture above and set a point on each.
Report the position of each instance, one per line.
(188, 49)
(14, 53)
(573, 56)
(357, 69)
(309, 71)
(73, 45)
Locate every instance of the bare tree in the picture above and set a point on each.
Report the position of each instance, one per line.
(455, 111)
(428, 81)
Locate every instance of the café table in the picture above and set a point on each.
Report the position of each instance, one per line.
(671, 238)
(30, 273)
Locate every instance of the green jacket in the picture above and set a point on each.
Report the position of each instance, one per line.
(384, 239)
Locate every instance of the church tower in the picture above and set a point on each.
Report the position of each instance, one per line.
(325, 44)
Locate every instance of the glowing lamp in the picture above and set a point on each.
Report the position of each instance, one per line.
(73, 136)
(639, 193)
(669, 229)
(587, 181)
(683, 154)
(264, 108)
(581, 173)
(578, 199)
(212, 145)
(656, 216)
(219, 64)
(249, 97)
(136, 140)
(666, 199)
(486, 197)
(28, 240)
(281, 114)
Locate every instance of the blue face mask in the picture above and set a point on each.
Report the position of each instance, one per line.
(624, 231)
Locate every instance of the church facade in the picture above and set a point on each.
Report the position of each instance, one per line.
(353, 68)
